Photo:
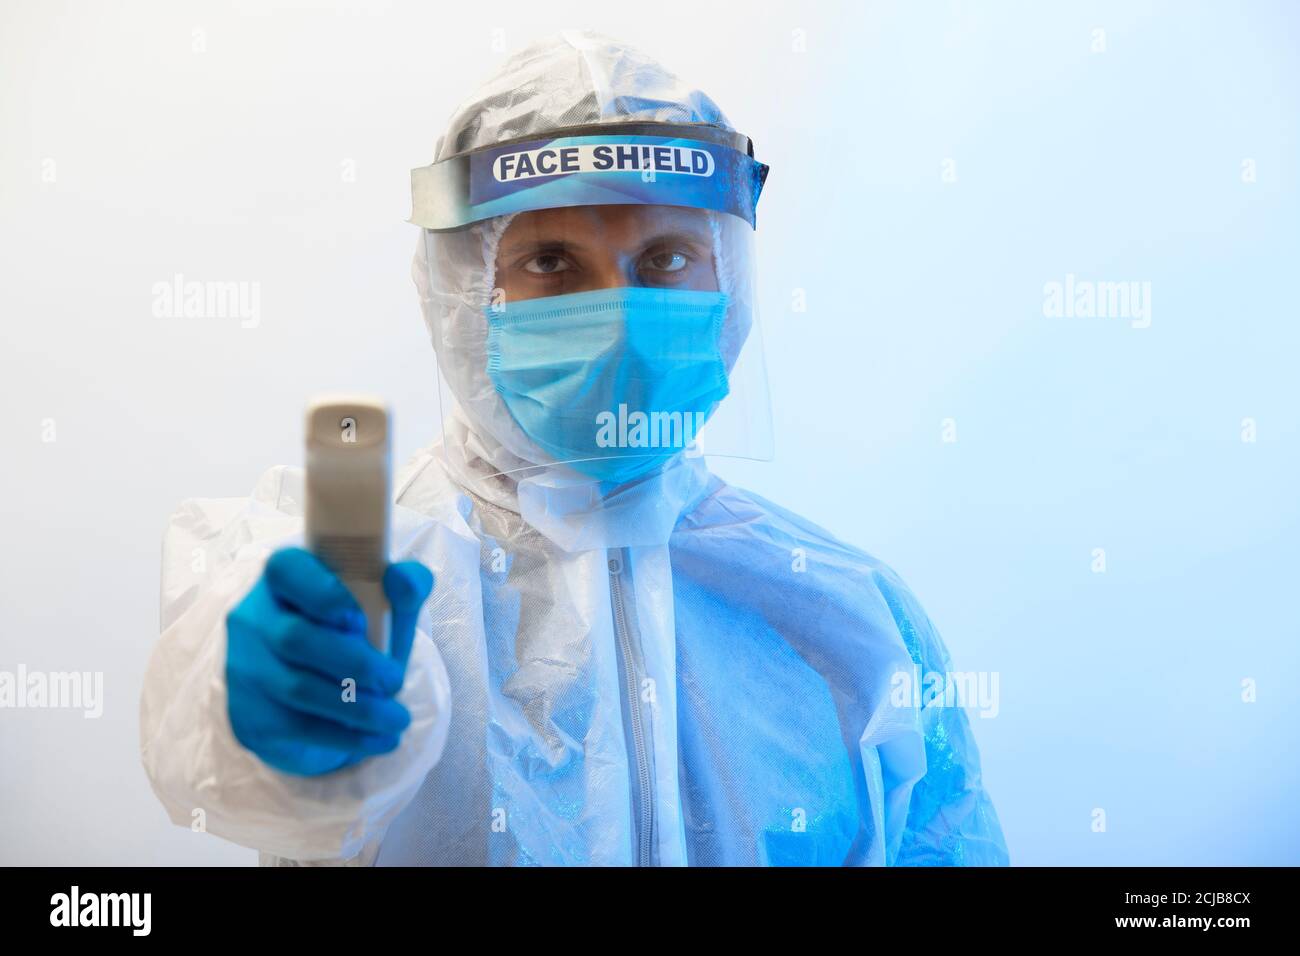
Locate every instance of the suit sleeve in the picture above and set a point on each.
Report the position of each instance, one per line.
(213, 553)
(951, 820)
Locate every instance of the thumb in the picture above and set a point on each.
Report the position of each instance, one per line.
(407, 584)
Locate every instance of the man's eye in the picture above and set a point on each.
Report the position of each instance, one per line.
(668, 261)
(546, 264)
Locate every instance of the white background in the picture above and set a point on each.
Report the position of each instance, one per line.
(1119, 691)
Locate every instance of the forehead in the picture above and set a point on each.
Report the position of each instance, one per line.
(619, 224)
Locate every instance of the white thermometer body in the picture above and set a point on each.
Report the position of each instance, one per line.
(348, 487)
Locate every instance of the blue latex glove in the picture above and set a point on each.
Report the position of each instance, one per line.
(293, 641)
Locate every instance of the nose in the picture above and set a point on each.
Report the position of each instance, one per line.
(612, 271)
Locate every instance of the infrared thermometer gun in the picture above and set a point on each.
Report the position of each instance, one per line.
(348, 488)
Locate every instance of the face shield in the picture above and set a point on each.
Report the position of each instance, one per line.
(591, 297)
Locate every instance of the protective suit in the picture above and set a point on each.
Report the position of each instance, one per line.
(659, 669)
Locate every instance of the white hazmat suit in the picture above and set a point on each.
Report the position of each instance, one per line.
(675, 673)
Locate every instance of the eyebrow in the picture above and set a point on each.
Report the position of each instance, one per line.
(558, 244)
(536, 243)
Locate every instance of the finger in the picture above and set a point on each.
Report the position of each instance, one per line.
(308, 693)
(295, 729)
(407, 585)
(335, 655)
(298, 579)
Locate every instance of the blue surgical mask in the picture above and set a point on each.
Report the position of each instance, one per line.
(613, 382)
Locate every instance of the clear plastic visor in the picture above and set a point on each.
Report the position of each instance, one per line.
(607, 339)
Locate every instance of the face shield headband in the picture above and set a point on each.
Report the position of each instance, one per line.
(665, 164)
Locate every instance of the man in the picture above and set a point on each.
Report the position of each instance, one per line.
(624, 660)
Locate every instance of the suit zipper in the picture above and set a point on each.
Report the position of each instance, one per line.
(644, 811)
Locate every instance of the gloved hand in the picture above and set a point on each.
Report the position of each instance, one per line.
(293, 641)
